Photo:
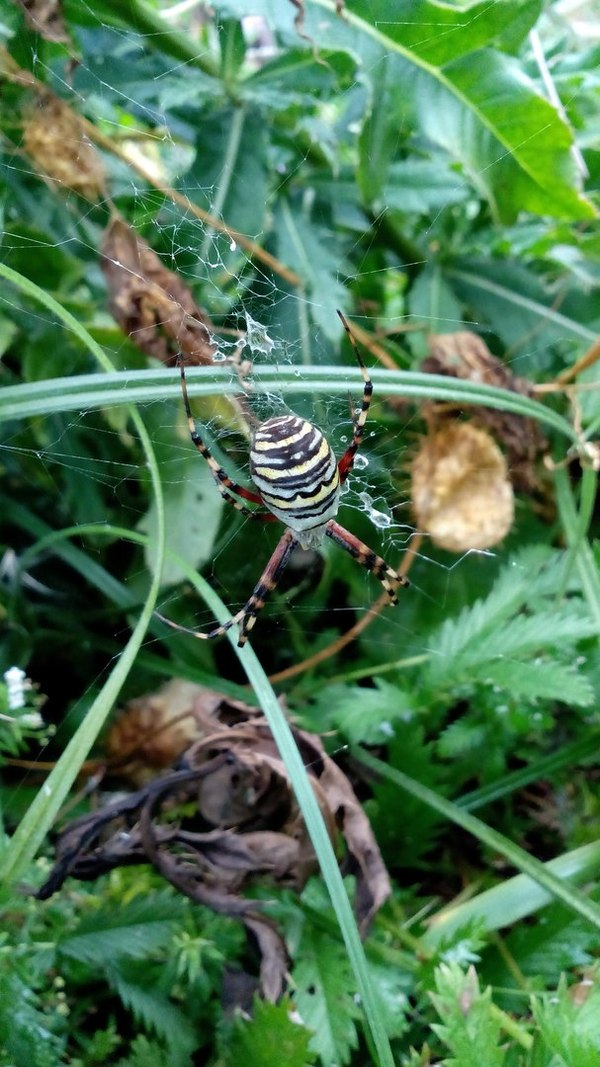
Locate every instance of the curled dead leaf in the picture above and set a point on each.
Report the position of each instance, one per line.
(150, 303)
(151, 732)
(227, 820)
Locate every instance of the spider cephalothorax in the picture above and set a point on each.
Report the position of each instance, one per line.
(298, 481)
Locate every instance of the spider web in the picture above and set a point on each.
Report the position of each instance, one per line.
(162, 116)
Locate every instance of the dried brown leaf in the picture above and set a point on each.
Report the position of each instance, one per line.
(227, 821)
(46, 18)
(150, 303)
(54, 138)
(150, 732)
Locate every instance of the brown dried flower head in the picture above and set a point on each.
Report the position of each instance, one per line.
(54, 138)
(461, 492)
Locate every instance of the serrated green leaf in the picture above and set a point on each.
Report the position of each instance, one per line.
(271, 1036)
(496, 631)
(363, 714)
(522, 635)
(570, 1029)
(144, 1053)
(557, 941)
(543, 679)
(468, 1026)
(136, 929)
(139, 991)
(26, 1034)
(325, 994)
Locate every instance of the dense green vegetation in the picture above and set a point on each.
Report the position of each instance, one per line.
(190, 179)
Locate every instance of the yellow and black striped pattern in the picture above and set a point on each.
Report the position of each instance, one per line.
(296, 473)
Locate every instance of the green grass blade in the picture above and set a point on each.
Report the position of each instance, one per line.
(538, 872)
(41, 814)
(575, 527)
(87, 392)
(515, 898)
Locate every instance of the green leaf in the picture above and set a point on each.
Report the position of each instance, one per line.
(271, 1036)
(139, 991)
(485, 641)
(474, 102)
(136, 929)
(512, 142)
(229, 176)
(144, 1053)
(193, 509)
(388, 116)
(301, 244)
(420, 827)
(439, 31)
(423, 186)
(25, 1030)
(542, 678)
(556, 942)
(363, 714)
(325, 993)
(433, 301)
(570, 1029)
(468, 1026)
(513, 300)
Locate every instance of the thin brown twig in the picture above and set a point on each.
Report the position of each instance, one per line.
(368, 341)
(590, 357)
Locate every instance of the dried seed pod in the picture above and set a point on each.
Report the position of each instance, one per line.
(466, 356)
(54, 138)
(46, 18)
(461, 493)
(151, 304)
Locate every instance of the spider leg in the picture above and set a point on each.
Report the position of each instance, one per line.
(389, 578)
(246, 616)
(225, 484)
(346, 462)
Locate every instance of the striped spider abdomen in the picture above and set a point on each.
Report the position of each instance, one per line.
(296, 473)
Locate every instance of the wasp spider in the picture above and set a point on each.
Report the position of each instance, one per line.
(298, 481)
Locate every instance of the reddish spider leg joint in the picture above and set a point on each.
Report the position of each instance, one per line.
(298, 482)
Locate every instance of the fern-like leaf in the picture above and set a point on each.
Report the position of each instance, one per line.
(136, 929)
(25, 1034)
(144, 1053)
(538, 679)
(518, 618)
(571, 1028)
(133, 981)
(468, 1028)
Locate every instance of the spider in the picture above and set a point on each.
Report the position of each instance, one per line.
(298, 481)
